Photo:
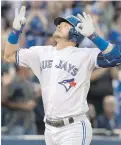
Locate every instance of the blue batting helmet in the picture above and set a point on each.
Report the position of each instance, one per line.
(74, 35)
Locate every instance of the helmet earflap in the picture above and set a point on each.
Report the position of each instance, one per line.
(73, 34)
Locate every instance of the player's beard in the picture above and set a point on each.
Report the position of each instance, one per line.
(58, 36)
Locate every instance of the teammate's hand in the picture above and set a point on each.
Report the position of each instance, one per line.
(19, 19)
(86, 26)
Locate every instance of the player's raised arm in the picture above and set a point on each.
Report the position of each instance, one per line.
(110, 55)
(12, 43)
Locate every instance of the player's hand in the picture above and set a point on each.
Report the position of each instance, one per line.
(86, 26)
(19, 19)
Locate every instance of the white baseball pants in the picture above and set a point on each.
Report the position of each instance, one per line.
(77, 133)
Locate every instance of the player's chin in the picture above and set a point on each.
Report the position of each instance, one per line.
(56, 35)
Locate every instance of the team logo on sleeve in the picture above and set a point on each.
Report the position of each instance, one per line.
(68, 84)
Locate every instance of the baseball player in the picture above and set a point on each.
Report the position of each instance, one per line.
(64, 72)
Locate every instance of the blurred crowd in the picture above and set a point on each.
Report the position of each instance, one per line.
(22, 107)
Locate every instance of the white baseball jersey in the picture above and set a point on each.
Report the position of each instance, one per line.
(64, 76)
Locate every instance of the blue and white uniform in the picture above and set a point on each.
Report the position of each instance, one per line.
(65, 81)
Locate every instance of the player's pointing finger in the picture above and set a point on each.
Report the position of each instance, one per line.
(22, 11)
(80, 17)
(85, 15)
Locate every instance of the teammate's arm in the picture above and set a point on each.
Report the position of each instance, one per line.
(12, 43)
(110, 55)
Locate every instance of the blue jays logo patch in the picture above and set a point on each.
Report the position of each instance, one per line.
(68, 84)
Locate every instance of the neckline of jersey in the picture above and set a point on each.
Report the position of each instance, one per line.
(65, 49)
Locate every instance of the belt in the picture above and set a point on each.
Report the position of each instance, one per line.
(60, 123)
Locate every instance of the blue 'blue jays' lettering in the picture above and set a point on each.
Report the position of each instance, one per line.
(49, 63)
(71, 67)
(64, 66)
(46, 64)
(68, 67)
(59, 65)
(75, 70)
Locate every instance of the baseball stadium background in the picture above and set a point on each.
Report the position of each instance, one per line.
(21, 104)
